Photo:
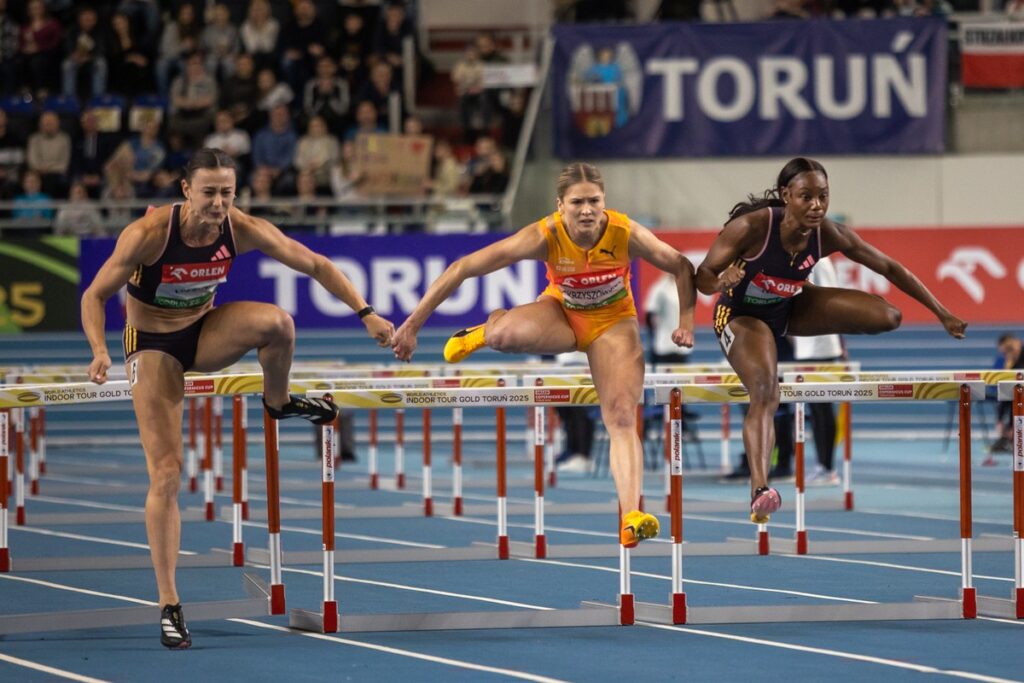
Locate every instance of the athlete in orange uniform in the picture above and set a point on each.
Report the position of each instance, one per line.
(587, 306)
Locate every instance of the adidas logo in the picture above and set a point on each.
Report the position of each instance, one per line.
(222, 253)
(808, 262)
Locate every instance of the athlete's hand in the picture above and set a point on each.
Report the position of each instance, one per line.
(98, 368)
(954, 325)
(380, 329)
(403, 343)
(682, 337)
(729, 278)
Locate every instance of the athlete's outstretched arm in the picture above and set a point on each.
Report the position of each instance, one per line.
(836, 237)
(256, 233)
(716, 273)
(643, 243)
(141, 242)
(528, 243)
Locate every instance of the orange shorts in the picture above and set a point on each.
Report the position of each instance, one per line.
(590, 324)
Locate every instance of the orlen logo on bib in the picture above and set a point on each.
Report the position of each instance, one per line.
(778, 286)
(195, 272)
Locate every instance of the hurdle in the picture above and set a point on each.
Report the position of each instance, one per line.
(964, 606)
(328, 619)
(1013, 391)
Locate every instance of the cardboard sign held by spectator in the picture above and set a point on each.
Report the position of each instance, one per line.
(394, 164)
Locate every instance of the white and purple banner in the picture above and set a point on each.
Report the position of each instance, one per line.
(392, 273)
(770, 88)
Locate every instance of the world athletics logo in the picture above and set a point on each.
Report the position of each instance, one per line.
(605, 88)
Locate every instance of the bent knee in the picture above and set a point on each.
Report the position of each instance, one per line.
(165, 481)
(280, 325)
(764, 392)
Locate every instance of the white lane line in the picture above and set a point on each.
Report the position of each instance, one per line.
(461, 664)
(87, 504)
(91, 539)
(61, 673)
(931, 516)
(921, 668)
(341, 641)
(354, 537)
(890, 565)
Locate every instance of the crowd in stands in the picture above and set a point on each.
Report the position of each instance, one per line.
(108, 99)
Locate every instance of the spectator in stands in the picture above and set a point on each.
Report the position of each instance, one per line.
(273, 150)
(178, 153)
(81, 218)
(26, 204)
(260, 197)
(788, 9)
(346, 174)
(145, 18)
(1011, 350)
(392, 31)
(366, 121)
(180, 38)
(355, 45)
(118, 184)
(86, 49)
(49, 154)
(193, 103)
(483, 148)
(166, 184)
(259, 34)
(491, 177)
(512, 117)
(327, 95)
(231, 139)
(90, 149)
(1015, 10)
(445, 173)
(303, 41)
(12, 158)
(147, 156)
(129, 58)
(9, 31)
(220, 42)
(40, 49)
(318, 150)
(413, 125)
(474, 104)
(378, 90)
(271, 92)
(306, 192)
(239, 93)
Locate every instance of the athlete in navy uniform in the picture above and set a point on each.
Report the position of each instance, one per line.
(759, 264)
(172, 260)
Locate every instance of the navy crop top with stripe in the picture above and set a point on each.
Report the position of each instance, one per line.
(184, 276)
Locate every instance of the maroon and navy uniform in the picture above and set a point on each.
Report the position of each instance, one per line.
(770, 281)
(183, 277)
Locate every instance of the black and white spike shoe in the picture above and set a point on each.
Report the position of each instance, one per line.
(316, 410)
(173, 631)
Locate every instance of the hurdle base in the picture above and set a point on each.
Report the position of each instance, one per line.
(315, 622)
(938, 545)
(482, 551)
(999, 607)
(647, 549)
(760, 614)
(257, 605)
(457, 621)
(216, 558)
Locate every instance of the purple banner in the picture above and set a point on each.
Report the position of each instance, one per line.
(771, 88)
(392, 273)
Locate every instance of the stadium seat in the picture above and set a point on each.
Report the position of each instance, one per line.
(144, 109)
(109, 110)
(21, 114)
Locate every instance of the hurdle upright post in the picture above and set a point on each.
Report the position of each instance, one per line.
(724, 464)
(968, 592)
(243, 456)
(667, 438)
(330, 606)
(42, 440)
(847, 409)
(428, 493)
(218, 443)
(549, 451)
(540, 539)
(237, 438)
(190, 462)
(457, 462)
(678, 596)
(400, 448)
(1018, 498)
(798, 449)
(273, 513)
(5, 553)
(33, 450)
(19, 466)
(374, 480)
(208, 457)
(503, 549)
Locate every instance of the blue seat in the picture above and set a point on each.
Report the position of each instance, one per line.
(21, 114)
(109, 111)
(62, 105)
(146, 108)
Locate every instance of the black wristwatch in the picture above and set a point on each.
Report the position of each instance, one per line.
(363, 312)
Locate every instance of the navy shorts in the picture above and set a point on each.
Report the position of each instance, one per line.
(181, 344)
(777, 320)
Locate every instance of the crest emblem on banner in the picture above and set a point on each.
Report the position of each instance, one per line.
(605, 87)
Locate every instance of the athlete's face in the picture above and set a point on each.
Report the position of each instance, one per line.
(582, 206)
(806, 198)
(211, 193)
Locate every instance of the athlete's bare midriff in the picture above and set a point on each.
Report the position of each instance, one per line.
(148, 318)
